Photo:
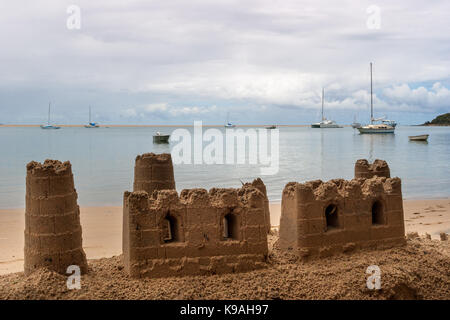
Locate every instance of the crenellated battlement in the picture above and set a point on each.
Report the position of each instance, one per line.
(379, 168)
(320, 218)
(195, 232)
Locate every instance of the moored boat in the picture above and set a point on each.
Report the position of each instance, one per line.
(229, 124)
(91, 124)
(375, 128)
(161, 138)
(422, 137)
(48, 125)
(325, 123)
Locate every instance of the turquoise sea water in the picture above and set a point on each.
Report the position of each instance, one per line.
(103, 160)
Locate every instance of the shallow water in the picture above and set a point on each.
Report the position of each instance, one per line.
(103, 160)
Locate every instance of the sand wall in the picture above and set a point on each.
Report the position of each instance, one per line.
(52, 218)
(153, 172)
(194, 233)
(322, 218)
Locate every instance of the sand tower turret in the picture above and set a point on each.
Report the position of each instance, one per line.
(52, 218)
(363, 169)
(153, 172)
(259, 184)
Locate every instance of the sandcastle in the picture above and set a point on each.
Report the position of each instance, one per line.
(153, 172)
(52, 219)
(321, 218)
(363, 169)
(194, 233)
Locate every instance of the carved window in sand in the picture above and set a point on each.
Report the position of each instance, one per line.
(331, 217)
(378, 216)
(230, 227)
(170, 229)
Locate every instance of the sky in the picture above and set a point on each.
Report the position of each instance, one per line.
(260, 62)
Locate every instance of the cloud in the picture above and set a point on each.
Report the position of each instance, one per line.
(235, 55)
(164, 110)
(435, 98)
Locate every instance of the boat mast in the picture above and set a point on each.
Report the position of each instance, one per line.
(322, 102)
(48, 119)
(89, 114)
(371, 96)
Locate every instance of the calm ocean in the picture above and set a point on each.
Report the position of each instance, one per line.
(103, 160)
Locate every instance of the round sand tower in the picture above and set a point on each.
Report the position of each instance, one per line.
(153, 172)
(259, 184)
(52, 218)
(363, 169)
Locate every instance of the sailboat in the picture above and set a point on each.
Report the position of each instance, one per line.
(229, 124)
(355, 124)
(91, 124)
(375, 128)
(48, 125)
(325, 123)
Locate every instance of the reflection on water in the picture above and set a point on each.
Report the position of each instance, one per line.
(418, 141)
(103, 160)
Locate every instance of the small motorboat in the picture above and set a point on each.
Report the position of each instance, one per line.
(161, 138)
(271, 127)
(422, 137)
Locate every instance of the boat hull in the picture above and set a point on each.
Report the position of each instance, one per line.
(375, 131)
(161, 139)
(325, 126)
(50, 127)
(423, 137)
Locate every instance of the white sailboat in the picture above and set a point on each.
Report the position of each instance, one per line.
(325, 123)
(91, 124)
(229, 124)
(48, 125)
(375, 128)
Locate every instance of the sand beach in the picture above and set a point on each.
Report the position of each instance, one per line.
(417, 271)
(102, 229)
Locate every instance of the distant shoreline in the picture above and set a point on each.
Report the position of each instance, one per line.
(190, 125)
(154, 125)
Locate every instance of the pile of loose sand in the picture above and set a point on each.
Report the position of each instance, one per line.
(420, 270)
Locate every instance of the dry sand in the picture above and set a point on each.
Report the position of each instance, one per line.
(419, 270)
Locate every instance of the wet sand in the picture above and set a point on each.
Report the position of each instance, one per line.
(102, 229)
